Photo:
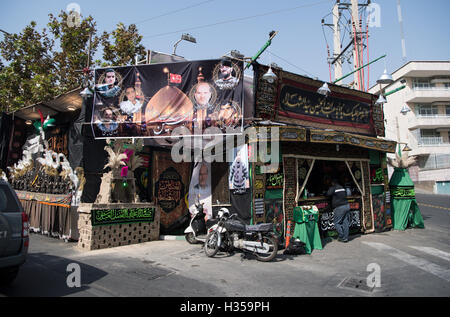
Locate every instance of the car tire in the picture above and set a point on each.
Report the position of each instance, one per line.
(8, 275)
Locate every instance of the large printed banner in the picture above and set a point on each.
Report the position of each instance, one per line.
(294, 99)
(150, 101)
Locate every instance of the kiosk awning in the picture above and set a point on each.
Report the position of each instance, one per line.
(302, 134)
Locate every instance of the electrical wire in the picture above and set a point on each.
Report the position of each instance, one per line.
(237, 19)
(175, 11)
(286, 61)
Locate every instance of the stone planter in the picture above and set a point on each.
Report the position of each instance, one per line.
(104, 226)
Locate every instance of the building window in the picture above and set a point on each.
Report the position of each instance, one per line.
(428, 133)
(428, 110)
(422, 84)
(447, 110)
(434, 161)
(430, 137)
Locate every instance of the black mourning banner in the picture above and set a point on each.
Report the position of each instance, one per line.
(122, 216)
(150, 101)
(311, 104)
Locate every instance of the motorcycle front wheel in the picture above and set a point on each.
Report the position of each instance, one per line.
(190, 238)
(273, 249)
(211, 244)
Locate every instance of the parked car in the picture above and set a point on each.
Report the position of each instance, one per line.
(14, 234)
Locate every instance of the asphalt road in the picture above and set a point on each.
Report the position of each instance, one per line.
(415, 262)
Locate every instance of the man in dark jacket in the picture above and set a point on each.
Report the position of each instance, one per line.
(341, 209)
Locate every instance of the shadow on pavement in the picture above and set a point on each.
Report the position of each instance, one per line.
(45, 275)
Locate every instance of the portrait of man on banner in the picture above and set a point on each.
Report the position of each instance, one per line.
(239, 180)
(108, 85)
(106, 121)
(226, 75)
(200, 188)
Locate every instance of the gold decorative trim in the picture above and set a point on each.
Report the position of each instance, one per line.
(319, 136)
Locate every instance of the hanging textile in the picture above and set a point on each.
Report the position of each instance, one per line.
(200, 188)
(405, 211)
(239, 180)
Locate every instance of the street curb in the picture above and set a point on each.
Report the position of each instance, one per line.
(172, 238)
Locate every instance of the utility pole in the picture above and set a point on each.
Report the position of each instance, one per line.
(337, 49)
(347, 22)
(357, 48)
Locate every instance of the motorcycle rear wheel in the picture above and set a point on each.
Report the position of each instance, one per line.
(211, 244)
(273, 245)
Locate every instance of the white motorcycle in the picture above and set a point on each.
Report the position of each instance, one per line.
(231, 233)
(198, 227)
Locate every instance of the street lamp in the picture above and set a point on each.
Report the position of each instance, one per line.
(381, 100)
(324, 90)
(406, 148)
(184, 37)
(385, 78)
(237, 55)
(405, 109)
(270, 76)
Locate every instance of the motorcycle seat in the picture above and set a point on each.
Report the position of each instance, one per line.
(211, 222)
(263, 227)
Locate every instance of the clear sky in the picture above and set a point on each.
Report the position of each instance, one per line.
(244, 25)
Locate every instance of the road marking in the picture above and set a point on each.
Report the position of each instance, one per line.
(413, 260)
(433, 206)
(433, 251)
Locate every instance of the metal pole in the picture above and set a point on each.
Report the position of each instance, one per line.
(175, 46)
(334, 82)
(337, 41)
(254, 58)
(395, 90)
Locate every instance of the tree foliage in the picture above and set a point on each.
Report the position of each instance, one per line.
(121, 46)
(38, 65)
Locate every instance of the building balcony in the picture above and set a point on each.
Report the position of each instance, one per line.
(430, 122)
(428, 95)
(430, 145)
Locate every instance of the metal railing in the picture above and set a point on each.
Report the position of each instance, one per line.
(417, 88)
(432, 141)
(431, 116)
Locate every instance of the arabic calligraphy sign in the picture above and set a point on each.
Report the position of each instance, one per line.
(169, 189)
(303, 102)
(406, 193)
(121, 216)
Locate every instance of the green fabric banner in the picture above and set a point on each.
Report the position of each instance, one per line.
(406, 212)
(308, 232)
(306, 228)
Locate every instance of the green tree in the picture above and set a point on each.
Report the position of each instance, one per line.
(74, 50)
(121, 46)
(29, 73)
(37, 66)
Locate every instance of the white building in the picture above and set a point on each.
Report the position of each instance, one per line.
(419, 115)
